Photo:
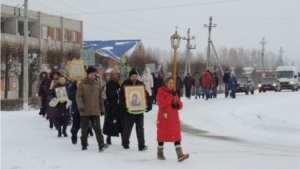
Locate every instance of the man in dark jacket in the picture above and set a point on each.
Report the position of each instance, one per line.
(216, 84)
(131, 119)
(158, 82)
(226, 78)
(90, 104)
(179, 85)
(112, 122)
(188, 82)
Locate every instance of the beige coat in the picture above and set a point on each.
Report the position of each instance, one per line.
(89, 97)
(148, 81)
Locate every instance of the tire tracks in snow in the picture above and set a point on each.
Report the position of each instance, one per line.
(203, 133)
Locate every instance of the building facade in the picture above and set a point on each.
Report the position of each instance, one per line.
(44, 30)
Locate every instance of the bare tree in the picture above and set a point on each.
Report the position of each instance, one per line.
(7, 61)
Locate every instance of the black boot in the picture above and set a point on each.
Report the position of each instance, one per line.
(65, 131)
(74, 139)
(59, 131)
(41, 111)
(108, 140)
(103, 146)
(143, 148)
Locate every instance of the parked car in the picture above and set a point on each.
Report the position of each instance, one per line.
(270, 84)
(244, 84)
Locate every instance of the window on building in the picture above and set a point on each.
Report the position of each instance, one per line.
(65, 35)
(74, 36)
(100, 62)
(45, 32)
(55, 33)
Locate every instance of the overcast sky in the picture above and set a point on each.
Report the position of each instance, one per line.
(240, 23)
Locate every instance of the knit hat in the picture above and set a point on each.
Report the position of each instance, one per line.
(196, 73)
(90, 70)
(132, 72)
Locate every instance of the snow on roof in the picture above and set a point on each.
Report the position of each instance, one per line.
(113, 48)
(108, 70)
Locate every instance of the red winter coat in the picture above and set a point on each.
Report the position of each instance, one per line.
(168, 123)
(206, 80)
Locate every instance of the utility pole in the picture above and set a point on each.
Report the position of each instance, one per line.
(280, 56)
(262, 58)
(210, 25)
(211, 43)
(25, 59)
(188, 53)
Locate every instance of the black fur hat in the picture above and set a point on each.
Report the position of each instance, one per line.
(90, 70)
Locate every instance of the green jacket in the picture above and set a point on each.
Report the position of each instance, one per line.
(89, 97)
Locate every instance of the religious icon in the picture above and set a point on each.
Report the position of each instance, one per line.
(61, 94)
(135, 98)
(76, 70)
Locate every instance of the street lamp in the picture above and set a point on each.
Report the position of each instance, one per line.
(175, 43)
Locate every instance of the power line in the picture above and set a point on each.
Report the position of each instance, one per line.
(253, 18)
(163, 7)
(115, 22)
(128, 16)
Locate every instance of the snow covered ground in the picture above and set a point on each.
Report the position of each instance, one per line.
(250, 132)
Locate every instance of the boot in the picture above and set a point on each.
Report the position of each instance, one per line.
(65, 131)
(41, 111)
(108, 140)
(143, 148)
(160, 153)
(74, 139)
(102, 147)
(59, 131)
(180, 155)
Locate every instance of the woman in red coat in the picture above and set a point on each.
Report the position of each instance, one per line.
(168, 122)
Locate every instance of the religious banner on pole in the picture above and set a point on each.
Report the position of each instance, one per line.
(123, 68)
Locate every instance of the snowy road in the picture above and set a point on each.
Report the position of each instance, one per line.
(252, 131)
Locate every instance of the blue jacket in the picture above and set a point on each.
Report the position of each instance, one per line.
(232, 83)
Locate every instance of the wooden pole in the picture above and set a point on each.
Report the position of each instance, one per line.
(174, 88)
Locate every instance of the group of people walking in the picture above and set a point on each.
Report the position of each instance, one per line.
(85, 102)
(205, 85)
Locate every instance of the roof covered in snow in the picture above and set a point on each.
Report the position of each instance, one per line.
(113, 48)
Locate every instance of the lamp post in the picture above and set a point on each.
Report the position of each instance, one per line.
(175, 43)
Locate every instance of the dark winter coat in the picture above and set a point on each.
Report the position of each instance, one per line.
(158, 82)
(232, 82)
(43, 94)
(226, 77)
(168, 122)
(179, 83)
(122, 96)
(48, 88)
(60, 109)
(89, 97)
(112, 121)
(206, 80)
(188, 82)
(216, 80)
(72, 89)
